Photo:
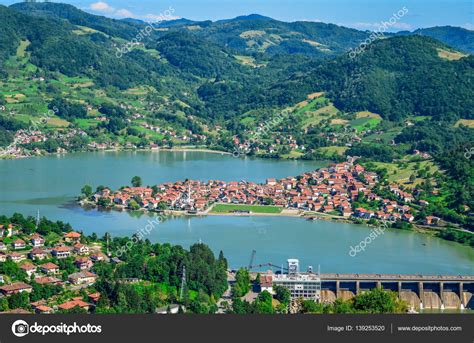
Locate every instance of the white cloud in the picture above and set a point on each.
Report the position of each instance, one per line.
(159, 17)
(402, 26)
(124, 13)
(101, 7)
(105, 8)
(317, 20)
(376, 26)
(469, 26)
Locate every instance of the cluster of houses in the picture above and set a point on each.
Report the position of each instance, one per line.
(345, 138)
(23, 137)
(40, 263)
(330, 190)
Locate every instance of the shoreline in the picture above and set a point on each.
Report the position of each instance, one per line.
(174, 149)
(313, 216)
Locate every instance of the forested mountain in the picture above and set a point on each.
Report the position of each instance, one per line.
(457, 37)
(69, 13)
(220, 70)
(401, 76)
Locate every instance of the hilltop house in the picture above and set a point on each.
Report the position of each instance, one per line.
(18, 244)
(431, 220)
(72, 236)
(16, 287)
(83, 277)
(69, 305)
(37, 241)
(16, 257)
(29, 268)
(48, 280)
(61, 252)
(49, 268)
(81, 249)
(37, 254)
(83, 263)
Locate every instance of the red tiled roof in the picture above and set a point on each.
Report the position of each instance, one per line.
(72, 234)
(73, 303)
(49, 265)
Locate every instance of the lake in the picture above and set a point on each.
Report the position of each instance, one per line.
(49, 184)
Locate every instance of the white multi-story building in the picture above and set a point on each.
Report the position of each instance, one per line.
(300, 285)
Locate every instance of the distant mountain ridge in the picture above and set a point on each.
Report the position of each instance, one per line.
(222, 70)
(456, 37)
(251, 33)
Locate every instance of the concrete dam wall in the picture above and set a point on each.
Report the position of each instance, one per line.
(418, 295)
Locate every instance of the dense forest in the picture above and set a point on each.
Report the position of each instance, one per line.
(395, 77)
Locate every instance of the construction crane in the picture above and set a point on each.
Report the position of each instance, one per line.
(268, 264)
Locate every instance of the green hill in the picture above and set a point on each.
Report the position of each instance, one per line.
(201, 75)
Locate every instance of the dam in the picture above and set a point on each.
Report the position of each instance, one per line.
(418, 291)
(421, 292)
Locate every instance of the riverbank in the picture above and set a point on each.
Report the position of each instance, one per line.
(174, 149)
(431, 231)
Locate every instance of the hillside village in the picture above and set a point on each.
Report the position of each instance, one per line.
(342, 190)
(60, 275)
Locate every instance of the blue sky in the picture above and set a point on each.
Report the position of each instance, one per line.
(360, 14)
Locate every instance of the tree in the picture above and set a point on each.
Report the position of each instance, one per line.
(3, 305)
(282, 294)
(104, 202)
(162, 205)
(268, 201)
(222, 260)
(310, 306)
(242, 283)
(240, 306)
(379, 301)
(136, 181)
(19, 300)
(342, 306)
(87, 191)
(263, 303)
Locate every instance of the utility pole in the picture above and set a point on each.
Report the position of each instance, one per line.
(107, 239)
(318, 285)
(183, 283)
(37, 219)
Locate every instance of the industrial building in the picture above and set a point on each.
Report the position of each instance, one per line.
(301, 285)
